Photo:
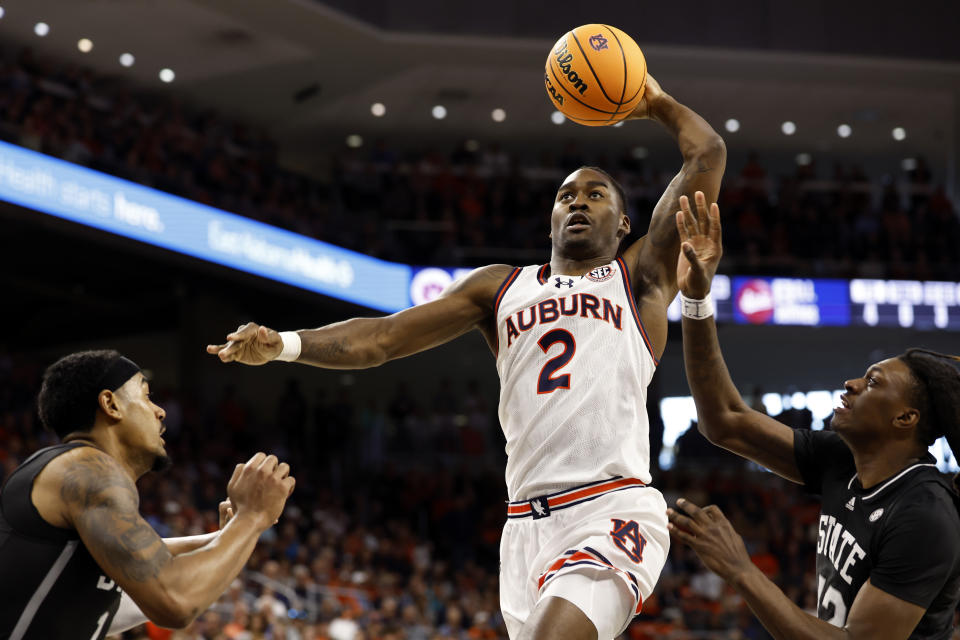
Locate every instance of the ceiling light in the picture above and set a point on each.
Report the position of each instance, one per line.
(167, 75)
(803, 159)
(41, 29)
(788, 128)
(909, 164)
(1, 12)
(732, 125)
(354, 141)
(844, 131)
(439, 112)
(126, 59)
(557, 118)
(378, 109)
(899, 133)
(85, 45)
(498, 115)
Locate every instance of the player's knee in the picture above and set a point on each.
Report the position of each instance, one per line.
(555, 618)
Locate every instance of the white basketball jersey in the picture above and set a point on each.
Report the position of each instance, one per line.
(574, 363)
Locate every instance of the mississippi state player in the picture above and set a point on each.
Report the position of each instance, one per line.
(576, 342)
(888, 545)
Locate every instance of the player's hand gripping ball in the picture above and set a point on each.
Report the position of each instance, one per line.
(595, 75)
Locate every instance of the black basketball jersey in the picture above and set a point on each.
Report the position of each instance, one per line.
(50, 586)
(902, 534)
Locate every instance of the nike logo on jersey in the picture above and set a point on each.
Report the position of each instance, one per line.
(550, 310)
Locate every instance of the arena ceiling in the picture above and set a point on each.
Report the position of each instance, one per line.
(250, 59)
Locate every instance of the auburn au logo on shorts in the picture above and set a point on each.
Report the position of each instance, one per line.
(601, 274)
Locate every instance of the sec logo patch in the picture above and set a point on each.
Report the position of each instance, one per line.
(601, 274)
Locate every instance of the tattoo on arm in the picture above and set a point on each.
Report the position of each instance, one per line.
(108, 518)
(326, 351)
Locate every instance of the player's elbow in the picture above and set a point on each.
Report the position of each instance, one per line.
(718, 426)
(711, 151)
(171, 612)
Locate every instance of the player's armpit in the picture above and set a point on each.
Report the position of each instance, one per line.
(367, 342)
(877, 615)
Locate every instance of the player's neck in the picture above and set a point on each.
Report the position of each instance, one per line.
(875, 466)
(104, 439)
(566, 266)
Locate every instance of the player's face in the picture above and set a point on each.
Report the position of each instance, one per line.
(588, 216)
(873, 403)
(145, 418)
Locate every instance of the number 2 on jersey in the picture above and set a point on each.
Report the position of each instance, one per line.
(547, 382)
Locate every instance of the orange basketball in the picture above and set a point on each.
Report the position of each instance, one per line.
(595, 75)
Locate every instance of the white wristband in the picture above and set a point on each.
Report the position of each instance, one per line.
(696, 309)
(291, 346)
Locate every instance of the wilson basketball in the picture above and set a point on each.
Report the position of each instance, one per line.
(595, 75)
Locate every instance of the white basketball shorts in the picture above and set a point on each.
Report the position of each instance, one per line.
(600, 546)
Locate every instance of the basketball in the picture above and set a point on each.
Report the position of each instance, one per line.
(595, 75)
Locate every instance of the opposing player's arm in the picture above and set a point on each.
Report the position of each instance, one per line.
(704, 155)
(101, 502)
(369, 342)
(874, 614)
(723, 417)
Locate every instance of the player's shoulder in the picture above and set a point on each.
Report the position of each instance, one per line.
(88, 476)
(483, 281)
(928, 492)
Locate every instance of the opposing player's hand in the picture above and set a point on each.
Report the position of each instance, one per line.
(652, 92)
(701, 246)
(251, 344)
(260, 488)
(708, 532)
(226, 512)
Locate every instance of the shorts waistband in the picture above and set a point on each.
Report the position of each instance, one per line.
(543, 506)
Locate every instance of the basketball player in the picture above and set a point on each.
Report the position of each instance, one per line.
(577, 341)
(71, 535)
(888, 547)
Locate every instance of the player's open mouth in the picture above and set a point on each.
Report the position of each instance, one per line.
(844, 404)
(578, 222)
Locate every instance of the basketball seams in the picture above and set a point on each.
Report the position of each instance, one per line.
(557, 81)
(623, 56)
(586, 59)
(643, 82)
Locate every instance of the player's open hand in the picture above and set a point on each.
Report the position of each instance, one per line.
(700, 246)
(260, 488)
(251, 344)
(708, 532)
(652, 92)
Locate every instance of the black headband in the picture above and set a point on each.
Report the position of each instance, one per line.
(118, 373)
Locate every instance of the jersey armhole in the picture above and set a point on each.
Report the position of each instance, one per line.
(502, 291)
(625, 273)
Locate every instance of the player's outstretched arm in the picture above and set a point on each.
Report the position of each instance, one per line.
(723, 417)
(360, 343)
(874, 615)
(101, 502)
(704, 160)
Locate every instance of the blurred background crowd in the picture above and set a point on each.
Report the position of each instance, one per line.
(472, 204)
(393, 529)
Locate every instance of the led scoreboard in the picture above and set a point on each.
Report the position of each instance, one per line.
(905, 303)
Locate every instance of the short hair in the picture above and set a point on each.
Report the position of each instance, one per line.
(71, 385)
(936, 394)
(616, 185)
